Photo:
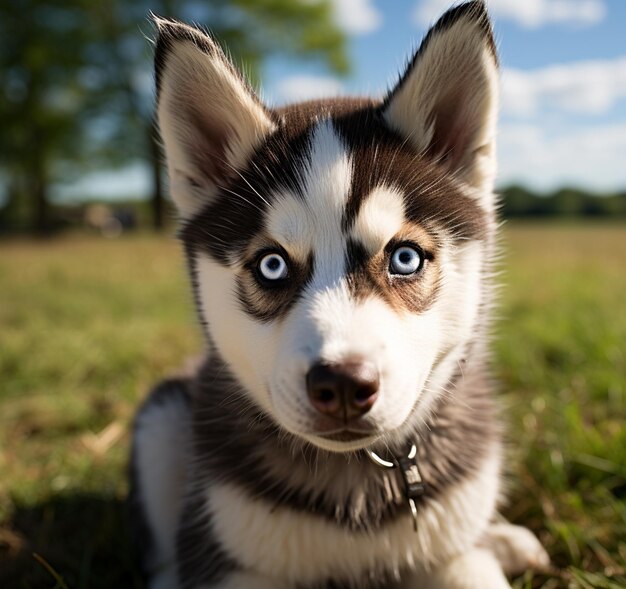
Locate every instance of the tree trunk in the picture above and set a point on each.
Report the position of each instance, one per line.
(158, 201)
(41, 207)
(8, 213)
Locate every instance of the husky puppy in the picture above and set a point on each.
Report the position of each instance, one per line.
(341, 431)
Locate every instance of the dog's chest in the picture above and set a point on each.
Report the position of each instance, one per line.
(303, 548)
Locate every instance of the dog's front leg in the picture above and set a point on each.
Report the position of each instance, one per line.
(202, 561)
(476, 569)
(516, 548)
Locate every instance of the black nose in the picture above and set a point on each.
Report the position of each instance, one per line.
(343, 391)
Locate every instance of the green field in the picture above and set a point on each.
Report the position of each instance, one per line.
(86, 326)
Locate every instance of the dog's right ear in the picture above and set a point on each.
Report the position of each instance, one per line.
(446, 104)
(209, 118)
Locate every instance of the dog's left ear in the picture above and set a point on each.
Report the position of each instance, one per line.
(447, 101)
(209, 118)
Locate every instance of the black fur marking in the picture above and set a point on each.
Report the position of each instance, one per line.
(371, 580)
(357, 258)
(429, 194)
(368, 275)
(201, 560)
(191, 257)
(358, 274)
(475, 11)
(227, 225)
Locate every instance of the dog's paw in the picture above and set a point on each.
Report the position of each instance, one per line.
(476, 569)
(516, 548)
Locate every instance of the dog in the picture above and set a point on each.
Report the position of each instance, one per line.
(341, 430)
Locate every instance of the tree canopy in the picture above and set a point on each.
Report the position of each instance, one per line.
(76, 79)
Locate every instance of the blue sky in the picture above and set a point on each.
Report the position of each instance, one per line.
(563, 113)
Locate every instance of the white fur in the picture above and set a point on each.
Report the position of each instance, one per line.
(459, 299)
(314, 224)
(381, 217)
(297, 547)
(161, 445)
(402, 345)
(516, 548)
(474, 569)
(245, 344)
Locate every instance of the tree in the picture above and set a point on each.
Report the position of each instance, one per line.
(75, 96)
(52, 84)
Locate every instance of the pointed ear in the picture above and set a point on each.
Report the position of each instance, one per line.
(209, 118)
(447, 101)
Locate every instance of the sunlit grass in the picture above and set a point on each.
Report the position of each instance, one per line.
(86, 326)
(561, 361)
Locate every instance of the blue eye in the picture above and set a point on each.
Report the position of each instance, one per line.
(273, 267)
(406, 260)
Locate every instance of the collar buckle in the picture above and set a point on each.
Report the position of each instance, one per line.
(412, 480)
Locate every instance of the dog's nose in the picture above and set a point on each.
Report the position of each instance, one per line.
(343, 391)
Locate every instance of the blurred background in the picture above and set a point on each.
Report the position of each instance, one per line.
(94, 304)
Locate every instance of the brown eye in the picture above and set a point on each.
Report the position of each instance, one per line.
(406, 260)
(273, 267)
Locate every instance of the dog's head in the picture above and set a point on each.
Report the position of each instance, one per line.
(338, 248)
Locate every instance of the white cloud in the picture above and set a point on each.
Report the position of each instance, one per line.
(591, 157)
(548, 151)
(591, 87)
(528, 13)
(357, 16)
(307, 87)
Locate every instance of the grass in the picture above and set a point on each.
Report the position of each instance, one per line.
(86, 326)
